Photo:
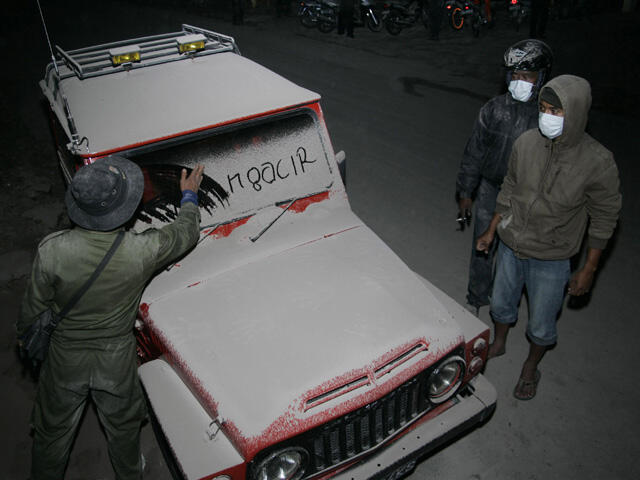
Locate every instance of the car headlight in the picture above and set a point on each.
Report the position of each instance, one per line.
(288, 464)
(445, 379)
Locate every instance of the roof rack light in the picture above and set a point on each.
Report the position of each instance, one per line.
(191, 43)
(124, 55)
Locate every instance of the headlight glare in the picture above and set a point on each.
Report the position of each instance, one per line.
(445, 379)
(286, 464)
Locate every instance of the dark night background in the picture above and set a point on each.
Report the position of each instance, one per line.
(402, 108)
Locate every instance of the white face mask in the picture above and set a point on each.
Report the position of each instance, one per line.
(520, 90)
(550, 125)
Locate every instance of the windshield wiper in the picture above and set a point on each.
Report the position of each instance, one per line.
(256, 237)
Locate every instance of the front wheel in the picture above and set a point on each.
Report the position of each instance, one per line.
(325, 27)
(307, 20)
(373, 22)
(457, 20)
(393, 25)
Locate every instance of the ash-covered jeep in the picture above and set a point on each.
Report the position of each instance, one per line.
(291, 343)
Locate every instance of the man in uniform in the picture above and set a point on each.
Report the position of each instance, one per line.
(559, 181)
(93, 350)
(484, 163)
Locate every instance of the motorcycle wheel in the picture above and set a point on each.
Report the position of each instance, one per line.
(374, 23)
(325, 27)
(457, 20)
(307, 20)
(392, 25)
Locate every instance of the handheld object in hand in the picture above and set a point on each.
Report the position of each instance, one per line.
(464, 219)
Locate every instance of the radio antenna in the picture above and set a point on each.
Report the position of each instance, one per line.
(72, 125)
(46, 34)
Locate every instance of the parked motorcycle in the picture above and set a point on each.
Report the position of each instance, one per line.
(321, 14)
(365, 16)
(401, 15)
(465, 11)
(328, 19)
(372, 19)
(309, 13)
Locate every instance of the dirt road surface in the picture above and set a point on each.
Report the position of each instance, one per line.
(402, 108)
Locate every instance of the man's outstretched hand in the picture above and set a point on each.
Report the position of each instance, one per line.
(191, 182)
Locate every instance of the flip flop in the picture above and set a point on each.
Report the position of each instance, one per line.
(527, 384)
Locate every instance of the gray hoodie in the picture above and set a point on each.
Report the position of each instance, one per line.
(554, 187)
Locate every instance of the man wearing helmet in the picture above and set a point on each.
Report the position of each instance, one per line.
(93, 350)
(559, 181)
(484, 163)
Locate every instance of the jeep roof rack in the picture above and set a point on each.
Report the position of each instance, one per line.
(143, 52)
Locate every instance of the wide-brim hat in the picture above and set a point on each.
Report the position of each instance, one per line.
(105, 194)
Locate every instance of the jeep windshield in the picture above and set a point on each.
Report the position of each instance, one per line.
(247, 167)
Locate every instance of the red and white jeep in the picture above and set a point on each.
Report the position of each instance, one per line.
(291, 343)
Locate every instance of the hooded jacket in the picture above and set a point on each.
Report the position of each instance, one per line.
(553, 188)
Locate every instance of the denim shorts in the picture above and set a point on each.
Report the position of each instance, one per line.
(545, 281)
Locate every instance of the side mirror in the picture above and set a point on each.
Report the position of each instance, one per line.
(341, 159)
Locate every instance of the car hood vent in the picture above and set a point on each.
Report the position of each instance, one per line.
(364, 381)
(400, 360)
(336, 392)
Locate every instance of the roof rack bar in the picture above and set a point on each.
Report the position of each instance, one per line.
(97, 71)
(95, 60)
(105, 57)
(213, 35)
(70, 61)
(122, 43)
(167, 43)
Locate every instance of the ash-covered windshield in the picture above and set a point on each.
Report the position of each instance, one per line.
(248, 168)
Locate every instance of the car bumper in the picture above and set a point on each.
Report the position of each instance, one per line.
(398, 458)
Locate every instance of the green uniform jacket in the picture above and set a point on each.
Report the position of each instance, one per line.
(65, 260)
(553, 188)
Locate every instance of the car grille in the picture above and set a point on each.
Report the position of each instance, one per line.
(361, 430)
(368, 426)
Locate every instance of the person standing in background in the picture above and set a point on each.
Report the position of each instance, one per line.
(484, 162)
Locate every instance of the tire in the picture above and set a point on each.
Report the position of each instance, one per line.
(326, 27)
(392, 25)
(457, 20)
(372, 25)
(307, 20)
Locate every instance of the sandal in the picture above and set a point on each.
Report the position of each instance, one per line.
(527, 385)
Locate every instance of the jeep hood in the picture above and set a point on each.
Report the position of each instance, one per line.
(284, 343)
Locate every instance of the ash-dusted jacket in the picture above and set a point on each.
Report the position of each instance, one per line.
(501, 120)
(554, 187)
(107, 311)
